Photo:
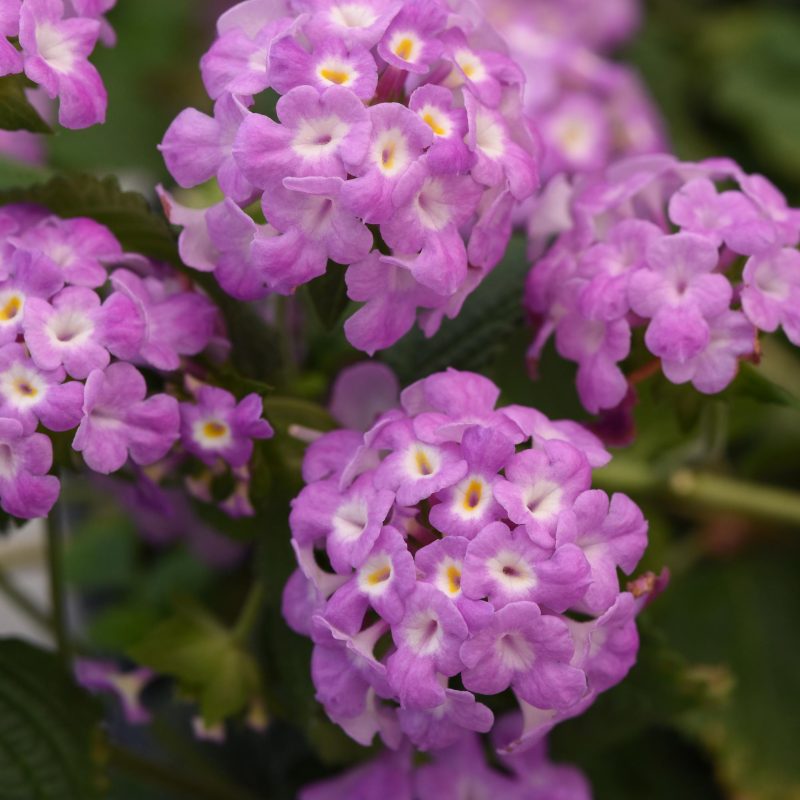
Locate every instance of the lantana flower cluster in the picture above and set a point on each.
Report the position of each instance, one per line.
(78, 319)
(398, 148)
(458, 771)
(51, 41)
(589, 111)
(701, 256)
(455, 552)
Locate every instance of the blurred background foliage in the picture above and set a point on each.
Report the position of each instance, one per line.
(712, 710)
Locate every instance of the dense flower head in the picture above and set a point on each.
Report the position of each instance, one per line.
(454, 551)
(52, 42)
(589, 111)
(453, 773)
(397, 149)
(81, 324)
(701, 256)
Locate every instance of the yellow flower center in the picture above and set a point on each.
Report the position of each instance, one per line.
(434, 125)
(404, 49)
(335, 75)
(379, 575)
(215, 430)
(10, 309)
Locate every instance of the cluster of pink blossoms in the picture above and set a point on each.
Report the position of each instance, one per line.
(398, 149)
(588, 110)
(56, 38)
(78, 316)
(702, 256)
(459, 771)
(442, 554)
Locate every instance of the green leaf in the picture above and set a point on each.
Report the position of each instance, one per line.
(755, 385)
(48, 729)
(16, 111)
(128, 214)
(741, 614)
(205, 659)
(479, 333)
(329, 295)
(658, 691)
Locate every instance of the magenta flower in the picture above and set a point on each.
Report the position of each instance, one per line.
(320, 133)
(56, 52)
(176, 323)
(469, 535)
(506, 566)
(29, 277)
(653, 243)
(395, 113)
(383, 581)
(678, 293)
(771, 294)
(32, 395)
(26, 490)
(329, 63)
(398, 139)
(530, 652)
(315, 225)
(78, 248)
(119, 422)
(428, 640)
(217, 427)
(105, 676)
(77, 331)
(540, 484)
(612, 535)
(197, 147)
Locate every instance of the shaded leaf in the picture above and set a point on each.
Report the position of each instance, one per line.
(128, 215)
(48, 728)
(329, 295)
(16, 111)
(480, 332)
(209, 664)
(741, 614)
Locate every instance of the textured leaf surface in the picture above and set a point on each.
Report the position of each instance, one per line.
(205, 659)
(479, 333)
(127, 214)
(47, 728)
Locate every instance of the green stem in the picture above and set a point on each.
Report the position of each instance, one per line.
(251, 610)
(702, 490)
(24, 603)
(55, 567)
(171, 780)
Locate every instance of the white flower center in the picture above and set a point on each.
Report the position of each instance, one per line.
(490, 137)
(424, 633)
(543, 499)
(69, 328)
(515, 651)
(350, 520)
(510, 570)
(432, 206)
(54, 48)
(353, 15)
(317, 138)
